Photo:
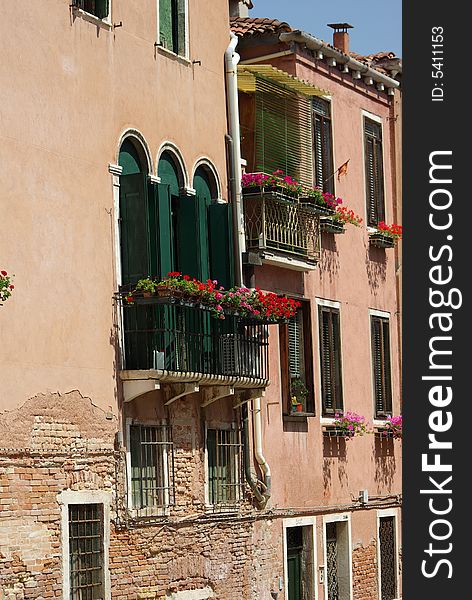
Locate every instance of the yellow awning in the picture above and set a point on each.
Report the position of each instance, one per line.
(247, 75)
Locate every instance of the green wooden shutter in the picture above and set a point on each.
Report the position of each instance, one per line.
(134, 228)
(284, 132)
(166, 233)
(323, 145)
(188, 237)
(221, 244)
(387, 368)
(379, 189)
(336, 342)
(181, 45)
(166, 28)
(295, 345)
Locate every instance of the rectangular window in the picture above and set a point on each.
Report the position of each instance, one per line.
(323, 145)
(374, 172)
(86, 552)
(296, 359)
(97, 8)
(387, 551)
(284, 132)
(172, 25)
(380, 332)
(330, 360)
(225, 466)
(151, 456)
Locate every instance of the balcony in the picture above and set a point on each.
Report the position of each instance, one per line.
(282, 230)
(168, 340)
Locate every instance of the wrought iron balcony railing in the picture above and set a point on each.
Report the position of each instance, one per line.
(279, 223)
(172, 336)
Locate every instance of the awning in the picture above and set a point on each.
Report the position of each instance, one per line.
(247, 75)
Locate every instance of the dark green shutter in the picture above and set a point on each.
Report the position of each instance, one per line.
(221, 244)
(295, 326)
(323, 146)
(101, 9)
(381, 366)
(180, 46)
(330, 360)
(166, 233)
(374, 172)
(188, 236)
(284, 132)
(134, 228)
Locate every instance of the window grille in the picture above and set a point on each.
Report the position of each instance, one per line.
(225, 466)
(332, 561)
(387, 558)
(86, 551)
(330, 360)
(323, 145)
(374, 172)
(380, 331)
(152, 467)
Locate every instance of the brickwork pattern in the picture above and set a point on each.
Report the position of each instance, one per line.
(364, 570)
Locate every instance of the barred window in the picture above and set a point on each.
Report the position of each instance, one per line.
(330, 360)
(225, 466)
(86, 552)
(152, 466)
(323, 145)
(380, 332)
(374, 172)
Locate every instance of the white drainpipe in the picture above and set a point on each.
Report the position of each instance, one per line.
(232, 60)
(263, 464)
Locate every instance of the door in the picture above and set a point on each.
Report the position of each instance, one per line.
(294, 562)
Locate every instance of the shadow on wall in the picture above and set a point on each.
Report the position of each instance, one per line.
(329, 261)
(385, 463)
(334, 458)
(376, 266)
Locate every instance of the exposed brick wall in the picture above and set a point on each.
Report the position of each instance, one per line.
(364, 570)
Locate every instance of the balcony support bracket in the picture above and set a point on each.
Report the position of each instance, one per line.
(244, 396)
(176, 391)
(215, 393)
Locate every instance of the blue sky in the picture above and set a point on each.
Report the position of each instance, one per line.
(377, 23)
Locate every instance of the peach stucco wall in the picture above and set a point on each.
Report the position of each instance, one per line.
(360, 278)
(71, 90)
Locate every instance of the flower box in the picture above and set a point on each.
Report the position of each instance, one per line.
(330, 225)
(381, 240)
(318, 209)
(333, 431)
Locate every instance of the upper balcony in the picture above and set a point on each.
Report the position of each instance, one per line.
(281, 229)
(175, 340)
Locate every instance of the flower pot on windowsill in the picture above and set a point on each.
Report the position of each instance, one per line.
(381, 240)
(330, 225)
(319, 209)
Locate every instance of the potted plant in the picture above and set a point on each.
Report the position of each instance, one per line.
(321, 203)
(298, 394)
(385, 235)
(349, 424)
(336, 222)
(393, 428)
(6, 285)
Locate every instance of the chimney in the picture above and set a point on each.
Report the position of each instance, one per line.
(341, 36)
(240, 8)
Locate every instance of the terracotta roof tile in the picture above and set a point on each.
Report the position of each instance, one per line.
(257, 26)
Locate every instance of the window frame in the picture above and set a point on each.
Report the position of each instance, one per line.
(284, 357)
(331, 188)
(66, 498)
(384, 317)
(331, 306)
(309, 522)
(186, 44)
(366, 116)
(224, 506)
(381, 514)
(88, 16)
(167, 478)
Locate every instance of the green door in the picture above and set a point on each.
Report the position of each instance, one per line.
(294, 569)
